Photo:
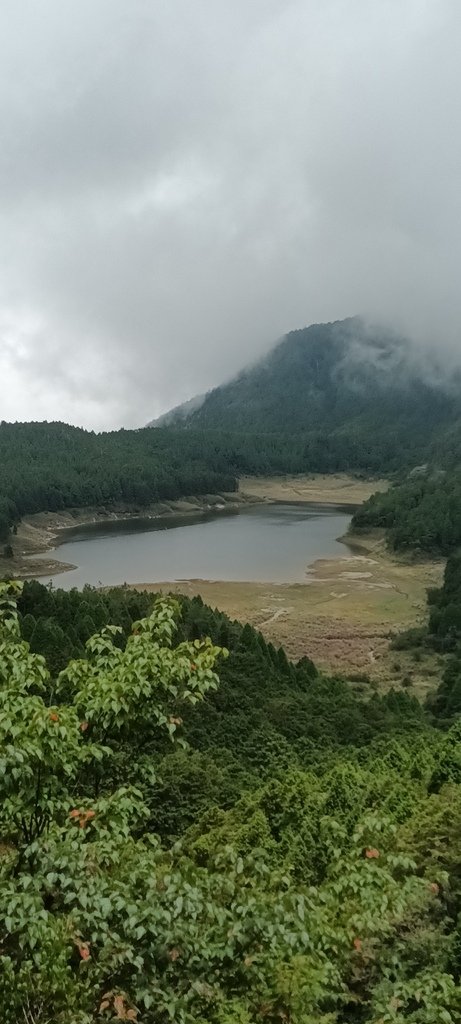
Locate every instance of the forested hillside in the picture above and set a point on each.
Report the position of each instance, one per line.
(328, 398)
(357, 386)
(52, 466)
(421, 513)
(298, 860)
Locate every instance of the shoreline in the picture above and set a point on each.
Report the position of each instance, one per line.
(343, 616)
(42, 532)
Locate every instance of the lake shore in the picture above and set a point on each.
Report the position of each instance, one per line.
(343, 617)
(44, 531)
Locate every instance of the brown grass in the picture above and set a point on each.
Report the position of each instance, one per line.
(343, 618)
(332, 488)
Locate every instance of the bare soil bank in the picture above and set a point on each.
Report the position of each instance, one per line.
(345, 615)
(330, 489)
(45, 530)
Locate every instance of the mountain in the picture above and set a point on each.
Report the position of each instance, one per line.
(180, 413)
(341, 378)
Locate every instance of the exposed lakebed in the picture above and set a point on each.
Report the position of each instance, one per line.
(268, 542)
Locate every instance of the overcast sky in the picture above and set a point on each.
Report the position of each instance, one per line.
(183, 181)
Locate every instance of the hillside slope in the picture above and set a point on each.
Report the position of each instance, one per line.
(341, 378)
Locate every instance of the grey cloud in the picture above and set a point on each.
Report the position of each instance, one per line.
(182, 183)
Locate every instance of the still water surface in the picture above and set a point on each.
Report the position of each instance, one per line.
(270, 543)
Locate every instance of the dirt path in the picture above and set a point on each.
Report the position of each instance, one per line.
(346, 614)
(343, 618)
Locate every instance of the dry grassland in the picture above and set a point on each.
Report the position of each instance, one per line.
(332, 488)
(346, 614)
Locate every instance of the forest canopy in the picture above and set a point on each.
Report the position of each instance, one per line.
(421, 513)
(52, 466)
(163, 860)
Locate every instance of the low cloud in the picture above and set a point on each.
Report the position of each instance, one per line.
(182, 183)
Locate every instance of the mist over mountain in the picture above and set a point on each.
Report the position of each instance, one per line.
(179, 413)
(335, 378)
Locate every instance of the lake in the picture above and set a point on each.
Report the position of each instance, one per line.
(269, 543)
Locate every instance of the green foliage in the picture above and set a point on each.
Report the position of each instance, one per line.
(421, 514)
(350, 396)
(445, 607)
(328, 398)
(316, 882)
(52, 466)
(266, 717)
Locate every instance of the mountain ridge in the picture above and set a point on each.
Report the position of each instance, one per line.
(330, 378)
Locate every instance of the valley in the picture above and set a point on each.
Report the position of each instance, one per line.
(324, 747)
(342, 611)
(230, 513)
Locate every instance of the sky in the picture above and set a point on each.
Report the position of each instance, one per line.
(181, 183)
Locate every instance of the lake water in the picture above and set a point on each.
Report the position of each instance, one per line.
(270, 543)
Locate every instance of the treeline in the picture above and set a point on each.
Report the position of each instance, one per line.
(423, 513)
(267, 713)
(52, 466)
(441, 633)
(444, 625)
(299, 861)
